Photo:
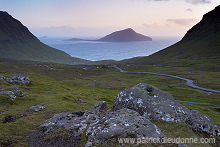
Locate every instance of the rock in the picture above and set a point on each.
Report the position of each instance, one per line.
(12, 91)
(101, 106)
(80, 101)
(35, 109)
(19, 79)
(11, 94)
(217, 130)
(140, 97)
(156, 104)
(1, 88)
(182, 145)
(123, 122)
(20, 93)
(2, 78)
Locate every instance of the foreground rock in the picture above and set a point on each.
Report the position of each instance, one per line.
(131, 116)
(99, 124)
(156, 104)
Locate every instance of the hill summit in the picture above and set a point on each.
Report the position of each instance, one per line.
(18, 43)
(126, 35)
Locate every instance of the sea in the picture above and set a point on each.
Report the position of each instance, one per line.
(96, 51)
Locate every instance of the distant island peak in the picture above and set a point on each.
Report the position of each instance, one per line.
(126, 35)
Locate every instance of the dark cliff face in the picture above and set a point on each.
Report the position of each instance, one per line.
(12, 29)
(208, 26)
(126, 35)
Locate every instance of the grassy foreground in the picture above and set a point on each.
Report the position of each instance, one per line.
(59, 86)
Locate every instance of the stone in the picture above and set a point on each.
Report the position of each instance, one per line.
(12, 91)
(1, 88)
(20, 93)
(156, 104)
(2, 78)
(80, 101)
(11, 94)
(35, 109)
(123, 122)
(182, 145)
(101, 106)
(20, 79)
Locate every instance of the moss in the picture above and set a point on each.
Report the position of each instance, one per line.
(84, 138)
(151, 94)
(58, 133)
(95, 144)
(94, 118)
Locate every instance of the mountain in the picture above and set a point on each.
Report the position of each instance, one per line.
(202, 41)
(18, 43)
(126, 35)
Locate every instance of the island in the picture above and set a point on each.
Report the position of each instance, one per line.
(127, 35)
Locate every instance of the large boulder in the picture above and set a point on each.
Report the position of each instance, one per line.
(156, 104)
(99, 124)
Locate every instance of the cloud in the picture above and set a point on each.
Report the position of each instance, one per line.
(184, 22)
(155, 0)
(195, 2)
(189, 10)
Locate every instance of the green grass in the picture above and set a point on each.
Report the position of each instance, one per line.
(57, 96)
(58, 87)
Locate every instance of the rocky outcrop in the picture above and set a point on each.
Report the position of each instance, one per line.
(14, 91)
(100, 124)
(156, 104)
(20, 79)
(131, 116)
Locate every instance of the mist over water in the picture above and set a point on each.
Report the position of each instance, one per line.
(95, 51)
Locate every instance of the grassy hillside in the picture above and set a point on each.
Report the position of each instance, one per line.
(59, 86)
(18, 43)
(34, 50)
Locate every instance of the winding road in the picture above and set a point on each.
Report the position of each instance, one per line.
(188, 81)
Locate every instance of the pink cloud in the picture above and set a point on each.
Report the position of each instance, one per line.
(183, 22)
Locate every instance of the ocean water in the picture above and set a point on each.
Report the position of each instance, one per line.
(95, 51)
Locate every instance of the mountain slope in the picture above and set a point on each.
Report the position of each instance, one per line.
(202, 41)
(125, 36)
(18, 43)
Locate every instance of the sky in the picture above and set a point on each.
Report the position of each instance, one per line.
(94, 18)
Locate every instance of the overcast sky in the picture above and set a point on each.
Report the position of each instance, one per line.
(78, 18)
